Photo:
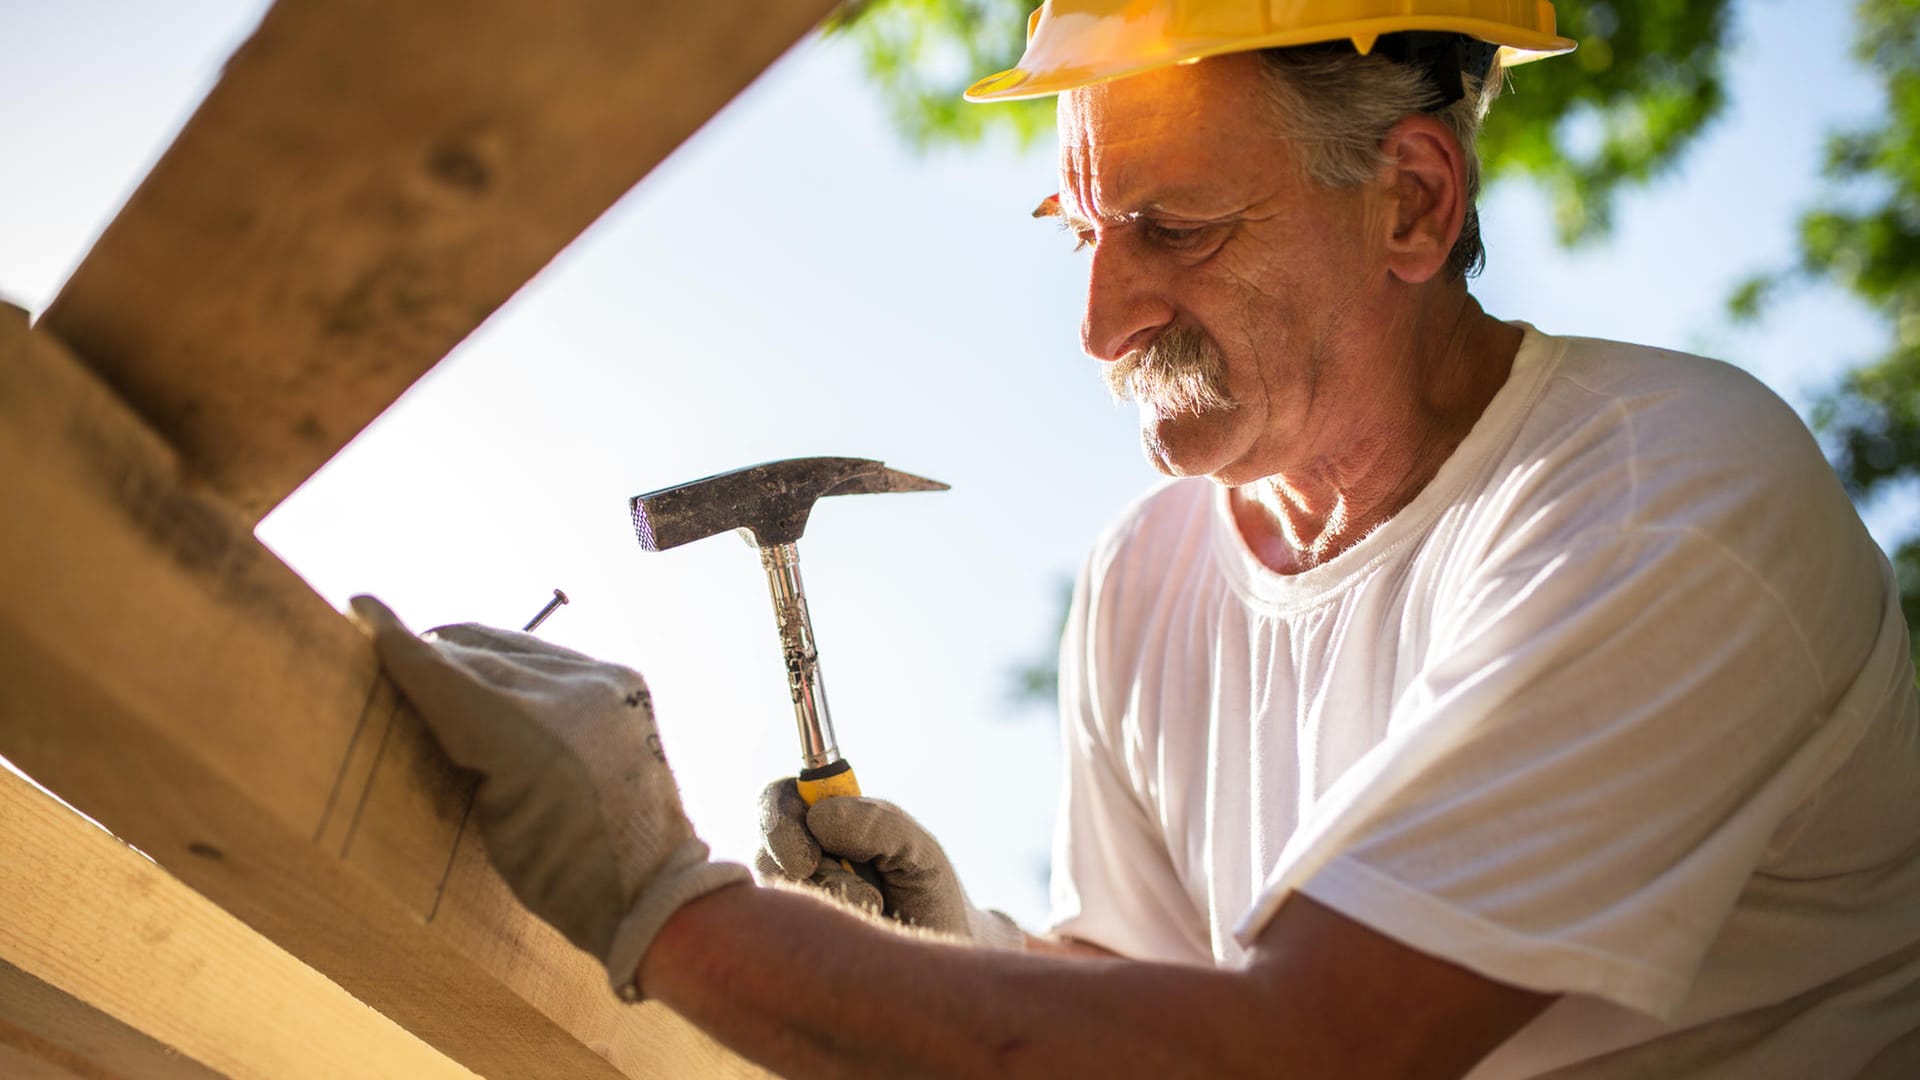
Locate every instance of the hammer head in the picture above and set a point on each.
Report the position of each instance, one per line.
(771, 501)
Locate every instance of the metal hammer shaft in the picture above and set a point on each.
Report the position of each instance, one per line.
(771, 503)
(817, 746)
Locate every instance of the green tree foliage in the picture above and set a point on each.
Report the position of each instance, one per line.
(923, 53)
(1646, 81)
(1864, 236)
(1036, 680)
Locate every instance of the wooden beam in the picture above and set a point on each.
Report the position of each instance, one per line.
(368, 181)
(48, 1034)
(111, 968)
(164, 673)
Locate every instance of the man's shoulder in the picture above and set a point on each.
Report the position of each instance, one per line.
(1655, 389)
(1164, 514)
(1628, 447)
(1166, 528)
(1167, 502)
(1667, 426)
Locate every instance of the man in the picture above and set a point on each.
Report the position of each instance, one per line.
(1479, 701)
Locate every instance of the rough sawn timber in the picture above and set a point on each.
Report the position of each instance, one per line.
(167, 675)
(368, 181)
(111, 968)
(48, 1034)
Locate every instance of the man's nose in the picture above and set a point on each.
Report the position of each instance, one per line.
(1125, 306)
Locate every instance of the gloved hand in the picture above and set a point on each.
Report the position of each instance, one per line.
(579, 811)
(783, 829)
(917, 884)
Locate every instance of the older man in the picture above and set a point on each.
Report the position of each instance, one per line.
(1479, 700)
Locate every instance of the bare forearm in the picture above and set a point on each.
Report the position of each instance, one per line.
(808, 991)
(1054, 945)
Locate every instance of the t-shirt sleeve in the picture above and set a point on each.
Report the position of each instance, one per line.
(1584, 774)
(1113, 884)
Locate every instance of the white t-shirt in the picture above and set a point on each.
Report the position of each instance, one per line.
(1620, 707)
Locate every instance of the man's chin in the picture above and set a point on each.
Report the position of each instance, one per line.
(1182, 444)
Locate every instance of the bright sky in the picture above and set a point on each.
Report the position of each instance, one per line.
(794, 281)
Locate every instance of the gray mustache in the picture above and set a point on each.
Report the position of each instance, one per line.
(1181, 371)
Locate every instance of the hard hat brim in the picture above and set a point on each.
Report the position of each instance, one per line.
(1058, 57)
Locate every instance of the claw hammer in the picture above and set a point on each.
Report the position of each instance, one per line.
(769, 505)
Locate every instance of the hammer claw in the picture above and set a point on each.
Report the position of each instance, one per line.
(884, 481)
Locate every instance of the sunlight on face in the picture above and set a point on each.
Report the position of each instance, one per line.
(1220, 279)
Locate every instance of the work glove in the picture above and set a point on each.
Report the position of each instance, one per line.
(578, 809)
(917, 885)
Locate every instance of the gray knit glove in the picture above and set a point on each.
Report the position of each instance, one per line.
(783, 828)
(577, 806)
(917, 884)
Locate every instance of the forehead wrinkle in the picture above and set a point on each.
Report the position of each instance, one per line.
(1172, 142)
(1127, 207)
(1119, 180)
(1100, 159)
(1091, 195)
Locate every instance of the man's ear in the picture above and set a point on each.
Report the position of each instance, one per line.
(1426, 197)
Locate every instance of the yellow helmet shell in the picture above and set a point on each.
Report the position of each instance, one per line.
(1074, 43)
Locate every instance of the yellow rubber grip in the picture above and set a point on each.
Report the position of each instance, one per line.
(832, 787)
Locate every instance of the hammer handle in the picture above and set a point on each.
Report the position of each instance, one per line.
(828, 781)
(831, 782)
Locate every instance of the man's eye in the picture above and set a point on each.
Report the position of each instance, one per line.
(1173, 236)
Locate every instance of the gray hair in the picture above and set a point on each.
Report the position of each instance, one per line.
(1338, 105)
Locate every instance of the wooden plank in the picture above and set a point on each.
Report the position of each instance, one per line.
(163, 672)
(368, 181)
(48, 1033)
(109, 967)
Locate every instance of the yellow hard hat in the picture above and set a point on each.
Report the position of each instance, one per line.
(1073, 43)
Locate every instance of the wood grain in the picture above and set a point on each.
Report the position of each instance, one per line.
(46, 1032)
(163, 672)
(366, 184)
(111, 968)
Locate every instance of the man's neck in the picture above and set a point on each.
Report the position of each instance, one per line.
(1303, 517)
